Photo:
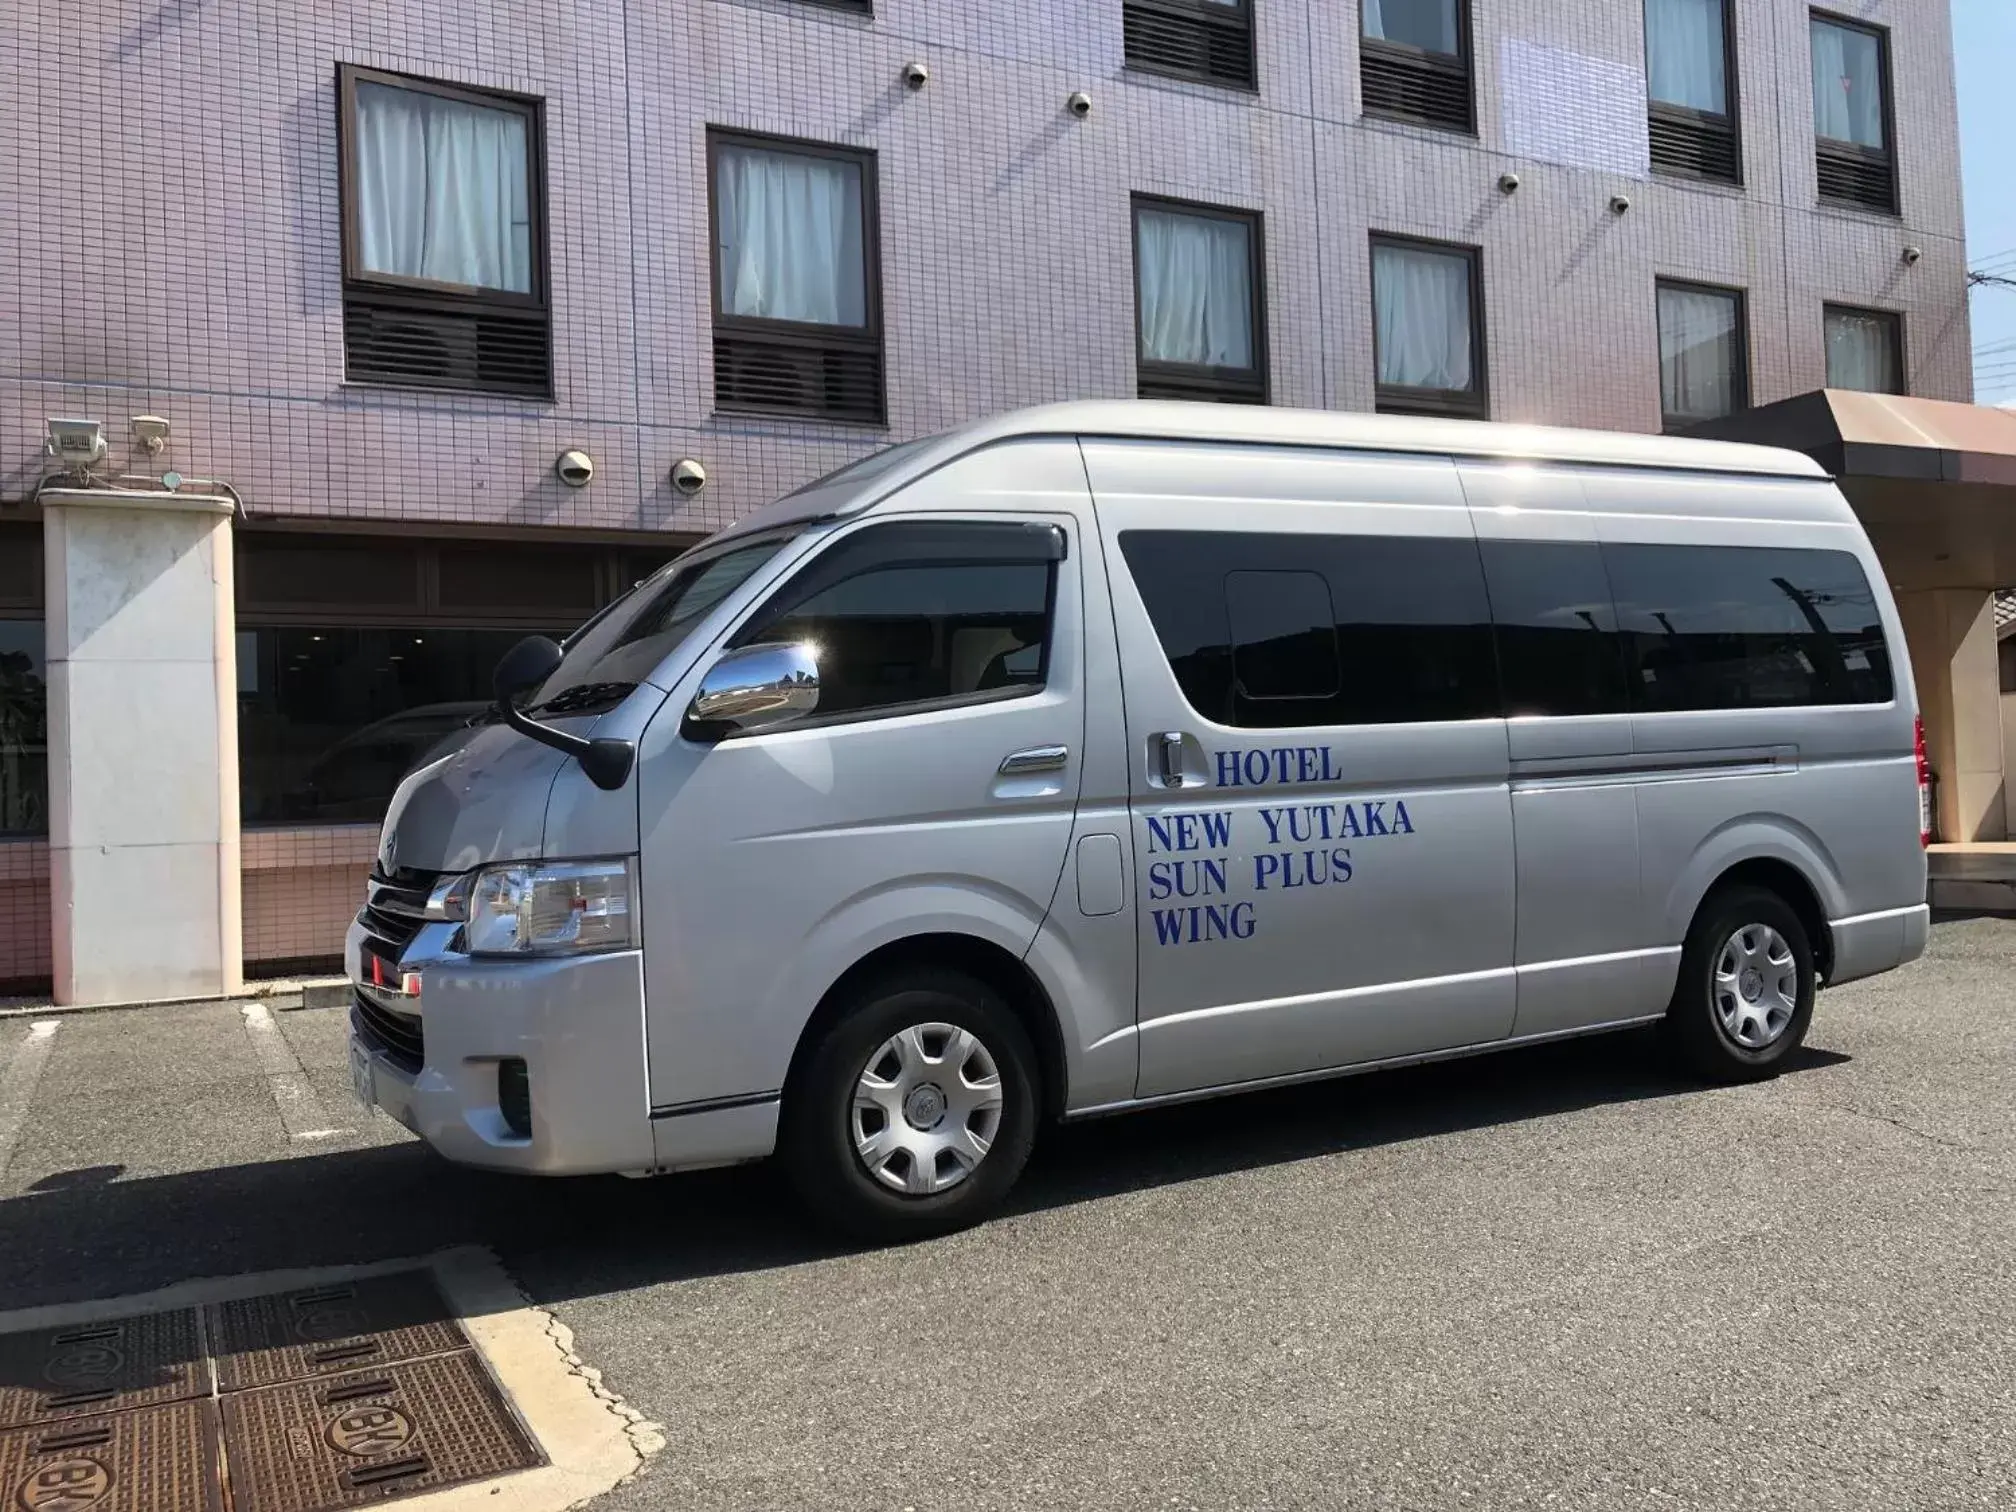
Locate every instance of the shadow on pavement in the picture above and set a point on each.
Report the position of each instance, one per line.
(85, 1233)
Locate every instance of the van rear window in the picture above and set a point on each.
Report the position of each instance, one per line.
(1716, 627)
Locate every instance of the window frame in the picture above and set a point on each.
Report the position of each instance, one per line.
(1686, 118)
(532, 108)
(1208, 13)
(1422, 60)
(1473, 403)
(27, 538)
(1899, 363)
(1740, 387)
(754, 627)
(1189, 380)
(804, 335)
(1824, 147)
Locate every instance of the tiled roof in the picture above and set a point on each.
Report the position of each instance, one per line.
(2005, 612)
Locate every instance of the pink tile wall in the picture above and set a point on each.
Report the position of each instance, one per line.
(24, 912)
(169, 227)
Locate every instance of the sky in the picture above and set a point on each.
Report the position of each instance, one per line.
(1984, 48)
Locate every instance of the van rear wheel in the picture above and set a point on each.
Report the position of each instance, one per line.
(916, 1111)
(1745, 994)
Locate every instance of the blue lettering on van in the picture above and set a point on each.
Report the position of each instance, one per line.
(1202, 922)
(1303, 868)
(1189, 832)
(1307, 823)
(1204, 878)
(1285, 765)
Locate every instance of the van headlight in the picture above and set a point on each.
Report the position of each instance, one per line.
(546, 908)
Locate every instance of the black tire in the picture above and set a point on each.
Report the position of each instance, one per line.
(1695, 1021)
(817, 1139)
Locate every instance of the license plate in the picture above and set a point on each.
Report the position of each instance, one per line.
(362, 1080)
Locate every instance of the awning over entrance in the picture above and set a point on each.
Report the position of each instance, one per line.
(1934, 482)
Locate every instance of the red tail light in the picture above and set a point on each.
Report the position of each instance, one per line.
(1924, 783)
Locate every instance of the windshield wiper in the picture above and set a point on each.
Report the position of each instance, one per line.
(585, 698)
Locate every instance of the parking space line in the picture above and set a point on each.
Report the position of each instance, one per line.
(293, 1094)
(17, 1086)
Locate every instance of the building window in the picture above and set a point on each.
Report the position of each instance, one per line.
(797, 284)
(444, 237)
(1427, 329)
(1690, 78)
(1415, 61)
(361, 657)
(1865, 350)
(1851, 114)
(24, 686)
(1200, 314)
(1210, 40)
(1704, 363)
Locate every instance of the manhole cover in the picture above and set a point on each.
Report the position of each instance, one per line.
(155, 1459)
(319, 1446)
(298, 1335)
(100, 1367)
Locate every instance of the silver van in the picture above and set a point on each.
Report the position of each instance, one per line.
(1106, 755)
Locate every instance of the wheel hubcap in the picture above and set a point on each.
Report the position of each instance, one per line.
(1756, 986)
(927, 1108)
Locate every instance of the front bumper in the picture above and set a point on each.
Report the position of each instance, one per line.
(577, 1022)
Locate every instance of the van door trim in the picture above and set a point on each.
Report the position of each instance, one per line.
(1665, 764)
(1357, 1068)
(715, 1104)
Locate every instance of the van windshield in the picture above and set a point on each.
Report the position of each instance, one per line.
(607, 657)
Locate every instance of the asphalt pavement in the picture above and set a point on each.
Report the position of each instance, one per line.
(1561, 1278)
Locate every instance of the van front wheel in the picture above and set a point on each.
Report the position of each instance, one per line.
(1745, 995)
(916, 1112)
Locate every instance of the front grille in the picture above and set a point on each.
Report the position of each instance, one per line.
(1694, 146)
(1426, 88)
(395, 906)
(1211, 42)
(399, 1037)
(1855, 176)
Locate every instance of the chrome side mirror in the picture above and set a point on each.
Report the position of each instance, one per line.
(756, 688)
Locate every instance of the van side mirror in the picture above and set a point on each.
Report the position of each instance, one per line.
(525, 665)
(755, 688)
(528, 664)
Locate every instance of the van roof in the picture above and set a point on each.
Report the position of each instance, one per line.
(875, 476)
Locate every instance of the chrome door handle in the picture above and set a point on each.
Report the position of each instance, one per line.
(1035, 759)
(1168, 748)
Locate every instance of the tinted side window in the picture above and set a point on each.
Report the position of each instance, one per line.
(919, 614)
(1409, 640)
(1712, 627)
(1558, 647)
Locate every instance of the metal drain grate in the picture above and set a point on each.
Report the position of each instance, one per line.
(321, 1330)
(153, 1459)
(101, 1367)
(321, 1446)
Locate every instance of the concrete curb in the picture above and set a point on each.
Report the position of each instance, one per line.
(286, 994)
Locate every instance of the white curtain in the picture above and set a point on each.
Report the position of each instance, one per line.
(1858, 352)
(1698, 353)
(1685, 61)
(1847, 85)
(1429, 24)
(1194, 277)
(1421, 311)
(788, 236)
(443, 190)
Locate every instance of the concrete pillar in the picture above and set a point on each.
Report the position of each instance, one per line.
(143, 745)
(1951, 635)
